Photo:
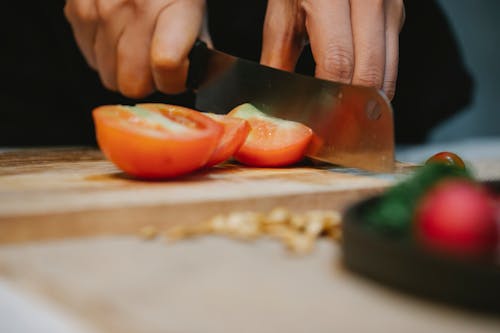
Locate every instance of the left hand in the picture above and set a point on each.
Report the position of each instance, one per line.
(137, 46)
(352, 41)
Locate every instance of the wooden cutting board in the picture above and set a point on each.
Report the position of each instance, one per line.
(74, 192)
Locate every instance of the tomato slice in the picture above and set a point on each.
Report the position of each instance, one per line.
(235, 133)
(272, 142)
(155, 140)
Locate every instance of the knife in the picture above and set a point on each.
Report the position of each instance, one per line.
(353, 125)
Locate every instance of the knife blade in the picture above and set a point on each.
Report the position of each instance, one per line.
(353, 125)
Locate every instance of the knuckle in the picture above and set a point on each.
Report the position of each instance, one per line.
(339, 63)
(89, 15)
(107, 8)
(370, 78)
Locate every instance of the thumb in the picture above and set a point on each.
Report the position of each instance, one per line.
(284, 34)
(177, 27)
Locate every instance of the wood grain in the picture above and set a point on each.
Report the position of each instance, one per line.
(73, 192)
(210, 284)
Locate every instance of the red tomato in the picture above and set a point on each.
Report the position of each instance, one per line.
(155, 140)
(457, 217)
(235, 133)
(448, 158)
(272, 142)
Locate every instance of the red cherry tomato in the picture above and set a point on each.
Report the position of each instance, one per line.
(272, 142)
(457, 217)
(155, 140)
(447, 158)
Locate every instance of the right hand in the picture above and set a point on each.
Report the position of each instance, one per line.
(137, 46)
(352, 41)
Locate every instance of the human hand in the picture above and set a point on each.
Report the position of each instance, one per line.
(137, 46)
(352, 41)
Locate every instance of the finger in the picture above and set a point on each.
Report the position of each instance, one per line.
(113, 17)
(394, 10)
(368, 28)
(330, 35)
(82, 15)
(176, 30)
(283, 35)
(134, 77)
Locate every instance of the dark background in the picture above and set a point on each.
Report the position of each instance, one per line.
(477, 28)
(48, 91)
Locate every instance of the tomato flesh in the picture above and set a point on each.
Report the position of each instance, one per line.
(154, 141)
(272, 142)
(235, 133)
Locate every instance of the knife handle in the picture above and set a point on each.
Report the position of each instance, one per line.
(197, 64)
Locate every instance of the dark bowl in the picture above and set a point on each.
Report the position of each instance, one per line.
(399, 262)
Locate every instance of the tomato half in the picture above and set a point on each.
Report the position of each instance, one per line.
(272, 142)
(155, 140)
(235, 133)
